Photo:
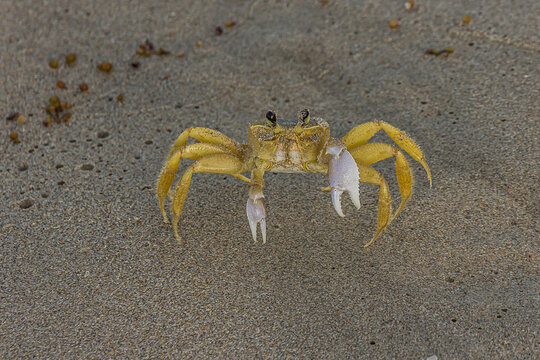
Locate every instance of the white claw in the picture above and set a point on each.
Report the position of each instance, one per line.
(344, 176)
(256, 214)
(336, 195)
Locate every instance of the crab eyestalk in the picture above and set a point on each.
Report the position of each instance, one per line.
(271, 119)
(303, 117)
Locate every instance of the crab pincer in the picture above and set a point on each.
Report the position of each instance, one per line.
(256, 214)
(343, 175)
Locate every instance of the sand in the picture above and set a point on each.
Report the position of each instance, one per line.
(89, 270)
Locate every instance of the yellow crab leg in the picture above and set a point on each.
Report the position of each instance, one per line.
(257, 181)
(361, 134)
(217, 163)
(205, 135)
(371, 153)
(168, 173)
(372, 176)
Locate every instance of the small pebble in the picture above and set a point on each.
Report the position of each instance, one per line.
(161, 51)
(102, 134)
(12, 116)
(437, 52)
(87, 167)
(143, 51)
(149, 45)
(105, 67)
(70, 59)
(26, 203)
(66, 117)
(54, 100)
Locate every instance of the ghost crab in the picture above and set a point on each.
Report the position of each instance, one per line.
(304, 146)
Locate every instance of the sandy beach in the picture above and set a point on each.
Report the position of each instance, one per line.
(88, 269)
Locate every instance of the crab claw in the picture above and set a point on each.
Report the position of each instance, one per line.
(344, 176)
(256, 214)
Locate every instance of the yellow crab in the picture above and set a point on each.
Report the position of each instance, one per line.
(304, 146)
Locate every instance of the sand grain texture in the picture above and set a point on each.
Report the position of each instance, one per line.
(88, 269)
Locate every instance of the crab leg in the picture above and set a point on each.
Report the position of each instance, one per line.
(370, 175)
(373, 152)
(343, 175)
(256, 212)
(168, 173)
(205, 135)
(361, 134)
(217, 163)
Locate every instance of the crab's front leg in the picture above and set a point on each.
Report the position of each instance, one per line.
(343, 175)
(168, 173)
(256, 212)
(215, 163)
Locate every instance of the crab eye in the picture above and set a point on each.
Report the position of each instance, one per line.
(303, 116)
(271, 119)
